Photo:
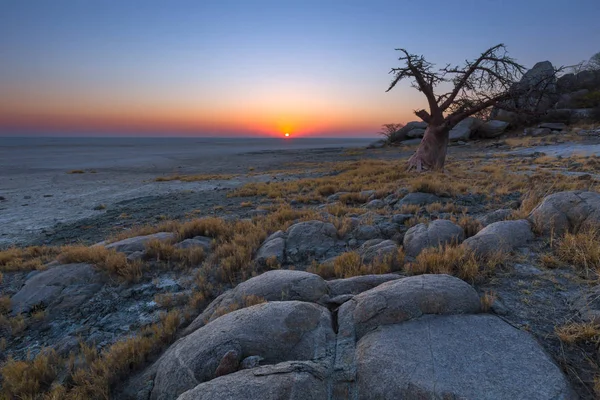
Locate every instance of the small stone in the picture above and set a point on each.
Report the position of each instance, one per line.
(251, 362)
(229, 363)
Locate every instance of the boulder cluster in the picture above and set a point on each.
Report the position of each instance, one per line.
(559, 101)
(393, 337)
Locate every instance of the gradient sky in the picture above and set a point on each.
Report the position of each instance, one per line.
(239, 67)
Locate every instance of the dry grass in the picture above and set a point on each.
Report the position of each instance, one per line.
(487, 300)
(246, 204)
(195, 178)
(105, 259)
(351, 264)
(76, 171)
(470, 225)
(581, 250)
(4, 304)
(27, 258)
(29, 378)
(578, 332)
(162, 251)
(454, 260)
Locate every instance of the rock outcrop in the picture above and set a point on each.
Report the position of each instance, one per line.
(503, 237)
(567, 212)
(416, 337)
(437, 233)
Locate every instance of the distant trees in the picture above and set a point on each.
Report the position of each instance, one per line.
(476, 86)
(388, 130)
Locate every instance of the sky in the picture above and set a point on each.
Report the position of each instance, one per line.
(253, 67)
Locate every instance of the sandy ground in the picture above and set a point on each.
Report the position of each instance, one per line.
(41, 202)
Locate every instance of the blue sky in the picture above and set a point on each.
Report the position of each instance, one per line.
(254, 67)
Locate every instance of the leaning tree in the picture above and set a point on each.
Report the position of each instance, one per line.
(477, 85)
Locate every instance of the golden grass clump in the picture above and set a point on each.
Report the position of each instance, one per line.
(27, 258)
(487, 300)
(470, 225)
(4, 304)
(105, 259)
(578, 332)
(29, 378)
(454, 260)
(581, 250)
(211, 227)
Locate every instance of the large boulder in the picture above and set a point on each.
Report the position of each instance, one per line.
(464, 129)
(495, 216)
(276, 331)
(310, 240)
(567, 212)
(404, 299)
(377, 250)
(503, 236)
(492, 129)
(456, 357)
(273, 248)
(276, 285)
(138, 243)
(416, 133)
(59, 287)
(569, 100)
(418, 198)
(287, 380)
(358, 284)
(437, 233)
(402, 133)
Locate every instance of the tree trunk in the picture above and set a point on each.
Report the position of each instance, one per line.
(431, 153)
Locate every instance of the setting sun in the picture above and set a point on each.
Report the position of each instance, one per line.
(287, 134)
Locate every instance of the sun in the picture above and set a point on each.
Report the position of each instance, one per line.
(287, 134)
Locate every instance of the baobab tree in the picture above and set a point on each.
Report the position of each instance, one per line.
(477, 85)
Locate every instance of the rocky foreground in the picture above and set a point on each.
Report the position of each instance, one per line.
(397, 299)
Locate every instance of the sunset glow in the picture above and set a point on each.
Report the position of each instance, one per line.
(307, 67)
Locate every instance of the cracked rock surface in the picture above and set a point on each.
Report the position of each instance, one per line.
(392, 337)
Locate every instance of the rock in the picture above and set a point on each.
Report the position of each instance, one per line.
(495, 216)
(567, 212)
(138, 243)
(358, 284)
(492, 129)
(540, 84)
(555, 126)
(277, 331)
(421, 359)
(506, 116)
(198, 241)
(464, 129)
(411, 142)
(275, 285)
(537, 131)
(589, 132)
(568, 100)
(378, 144)
(272, 248)
(375, 204)
(567, 82)
(378, 250)
(416, 133)
(335, 197)
(366, 232)
(503, 236)
(418, 198)
(288, 380)
(136, 256)
(588, 305)
(408, 298)
(251, 362)
(310, 240)
(438, 233)
(526, 270)
(229, 364)
(400, 219)
(58, 287)
(402, 133)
